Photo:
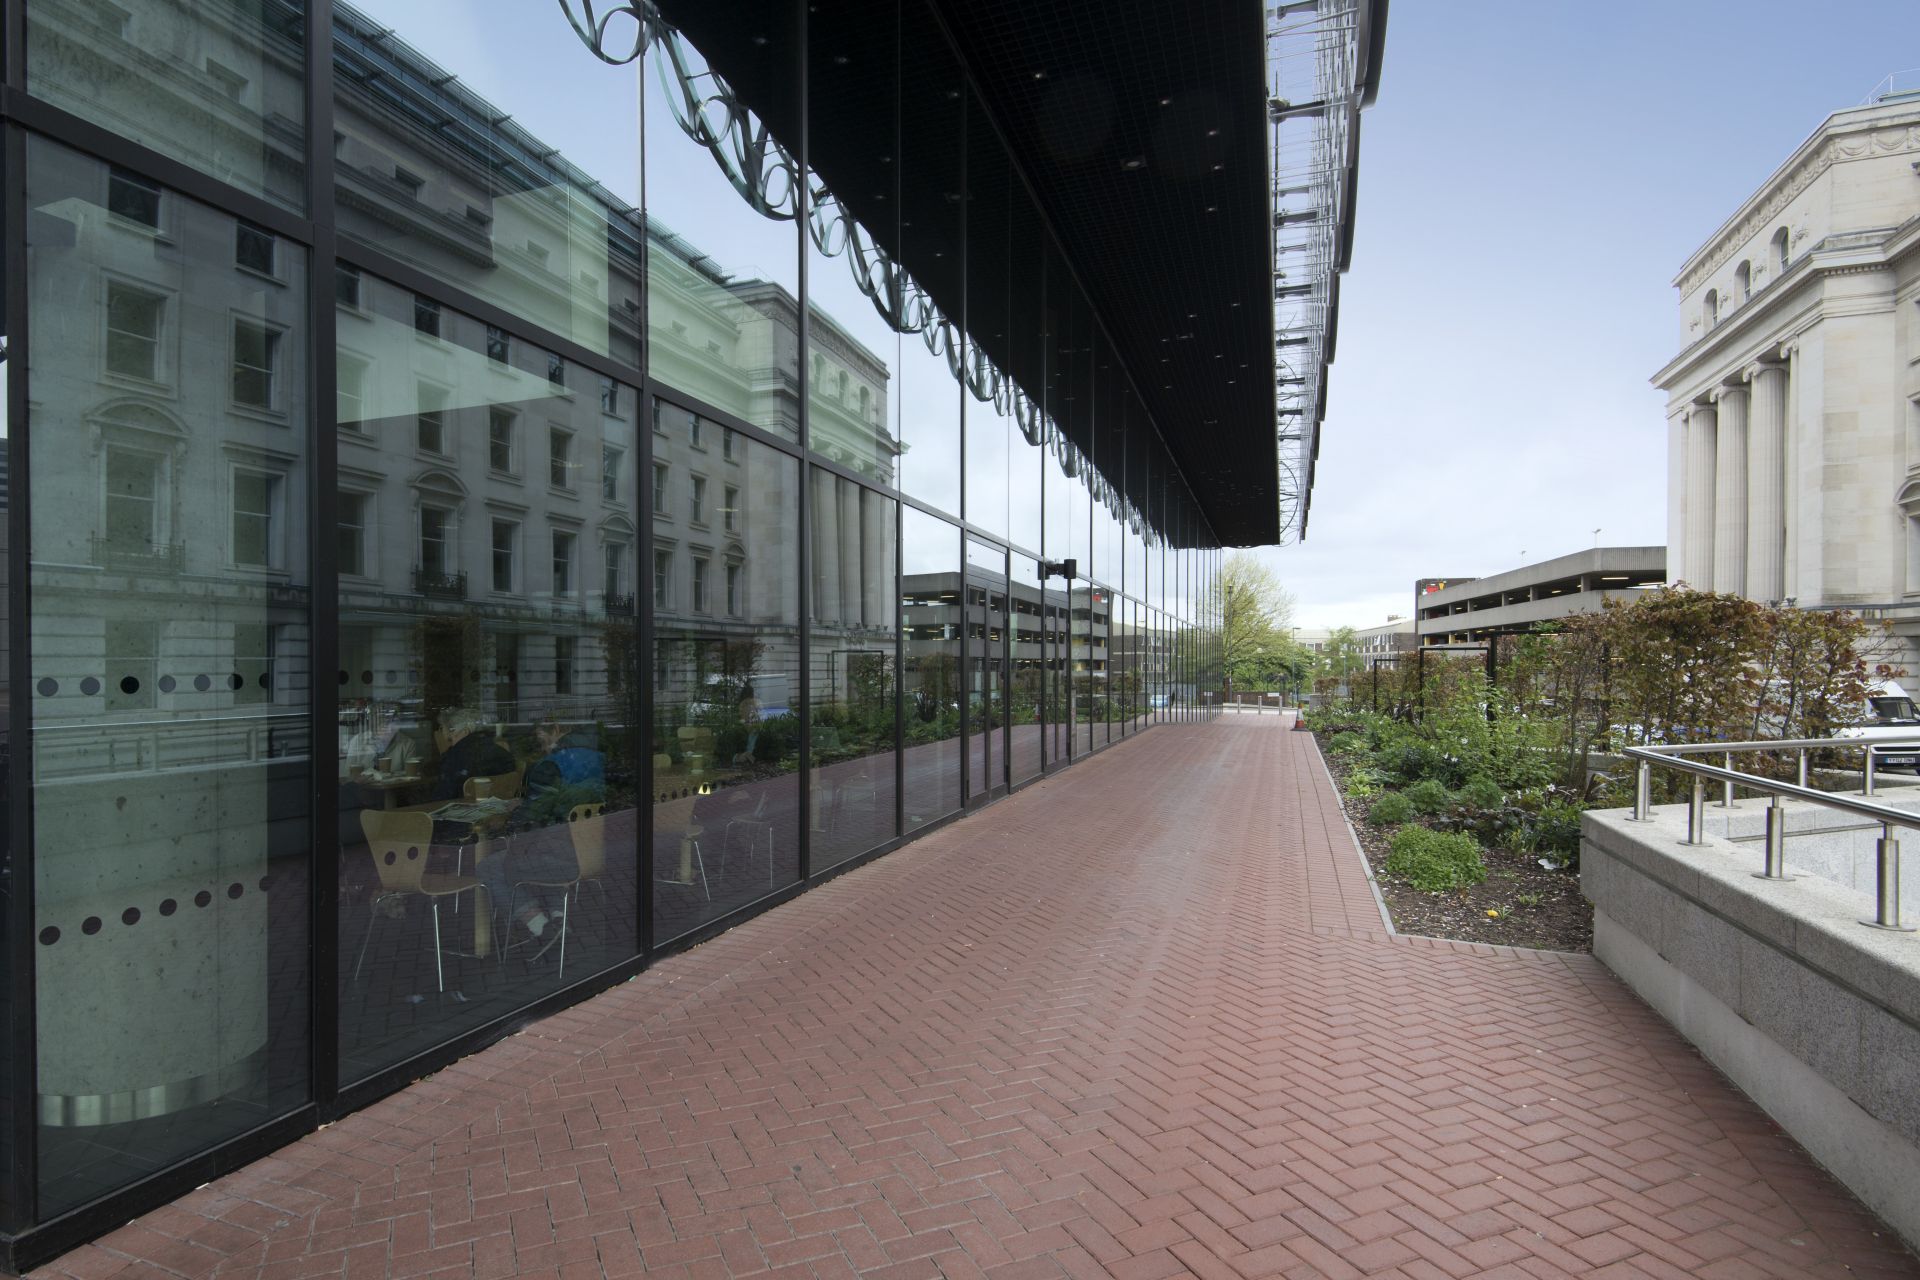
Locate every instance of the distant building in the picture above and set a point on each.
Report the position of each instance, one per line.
(1390, 639)
(1521, 599)
(1793, 407)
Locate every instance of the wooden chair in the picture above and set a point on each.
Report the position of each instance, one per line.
(399, 843)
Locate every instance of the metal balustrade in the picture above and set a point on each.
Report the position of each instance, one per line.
(1887, 848)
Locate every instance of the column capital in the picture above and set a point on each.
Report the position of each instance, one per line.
(1759, 367)
(1726, 389)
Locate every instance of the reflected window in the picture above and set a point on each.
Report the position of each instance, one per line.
(350, 392)
(499, 345)
(559, 458)
(697, 500)
(133, 197)
(133, 319)
(426, 316)
(253, 248)
(556, 371)
(435, 525)
(610, 464)
(346, 285)
(351, 509)
(733, 591)
(506, 537)
(133, 516)
(660, 477)
(563, 544)
(701, 565)
(609, 397)
(256, 495)
(256, 361)
(729, 512)
(430, 422)
(502, 427)
(614, 572)
(663, 578)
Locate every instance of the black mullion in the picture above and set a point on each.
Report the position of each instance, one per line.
(103, 144)
(804, 506)
(899, 673)
(13, 30)
(19, 1180)
(643, 851)
(413, 279)
(323, 576)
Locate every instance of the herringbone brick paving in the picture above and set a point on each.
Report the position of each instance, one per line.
(1141, 1020)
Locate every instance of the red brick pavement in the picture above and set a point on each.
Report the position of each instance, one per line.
(1140, 1021)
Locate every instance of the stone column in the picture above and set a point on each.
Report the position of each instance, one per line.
(1698, 571)
(826, 548)
(850, 585)
(1766, 482)
(1677, 493)
(1789, 352)
(1730, 492)
(876, 564)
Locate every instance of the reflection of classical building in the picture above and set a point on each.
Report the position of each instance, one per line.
(1794, 405)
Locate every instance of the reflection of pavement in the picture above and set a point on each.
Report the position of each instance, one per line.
(1036, 1046)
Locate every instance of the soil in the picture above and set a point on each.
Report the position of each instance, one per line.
(1555, 917)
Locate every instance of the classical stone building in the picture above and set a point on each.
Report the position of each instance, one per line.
(1793, 455)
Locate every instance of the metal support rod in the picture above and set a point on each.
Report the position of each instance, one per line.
(1697, 813)
(1866, 774)
(1776, 868)
(1802, 753)
(1642, 790)
(1887, 883)
(1726, 796)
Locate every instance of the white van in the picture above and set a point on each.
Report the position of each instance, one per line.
(1889, 713)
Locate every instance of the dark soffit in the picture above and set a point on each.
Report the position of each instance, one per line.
(1160, 211)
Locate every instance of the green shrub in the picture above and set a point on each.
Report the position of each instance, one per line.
(1429, 795)
(1433, 861)
(1361, 783)
(1348, 743)
(1390, 810)
(1482, 793)
(1556, 832)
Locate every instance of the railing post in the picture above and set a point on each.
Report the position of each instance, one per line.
(1697, 812)
(1887, 883)
(1802, 753)
(1642, 790)
(1776, 842)
(1866, 774)
(1726, 793)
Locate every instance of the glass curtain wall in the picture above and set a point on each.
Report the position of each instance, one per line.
(172, 622)
(616, 463)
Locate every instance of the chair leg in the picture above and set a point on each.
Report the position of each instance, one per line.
(700, 861)
(439, 963)
(563, 939)
(373, 916)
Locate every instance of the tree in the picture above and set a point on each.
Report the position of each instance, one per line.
(1342, 657)
(1255, 610)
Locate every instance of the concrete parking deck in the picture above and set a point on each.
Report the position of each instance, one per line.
(1142, 1021)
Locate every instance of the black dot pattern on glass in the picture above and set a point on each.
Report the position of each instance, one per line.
(50, 935)
(391, 858)
(236, 682)
(266, 882)
(130, 916)
(202, 683)
(202, 898)
(89, 686)
(343, 679)
(168, 906)
(129, 685)
(235, 889)
(366, 677)
(90, 926)
(48, 686)
(168, 684)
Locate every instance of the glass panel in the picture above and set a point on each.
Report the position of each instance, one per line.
(988, 421)
(986, 657)
(1026, 695)
(488, 689)
(443, 157)
(723, 263)
(853, 344)
(726, 679)
(930, 620)
(853, 688)
(216, 84)
(932, 107)
(170, 725)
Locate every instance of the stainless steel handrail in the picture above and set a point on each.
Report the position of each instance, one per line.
(1887, 848)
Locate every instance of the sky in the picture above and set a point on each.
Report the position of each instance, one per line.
(1532, 176)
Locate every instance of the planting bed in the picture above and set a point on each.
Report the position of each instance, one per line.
(1554, 916)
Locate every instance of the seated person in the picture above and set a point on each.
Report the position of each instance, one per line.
(568, 758)
(472, 752)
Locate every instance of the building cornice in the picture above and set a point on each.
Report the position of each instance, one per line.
(1838, 138)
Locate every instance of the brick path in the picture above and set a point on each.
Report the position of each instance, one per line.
(1141, 1021)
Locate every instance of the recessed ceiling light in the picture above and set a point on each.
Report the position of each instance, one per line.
(1039, 75)
(1213, 133)
(1166, 102)
(1218, 167)
(1213, 208)
(839, 59)
(1134, 162)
